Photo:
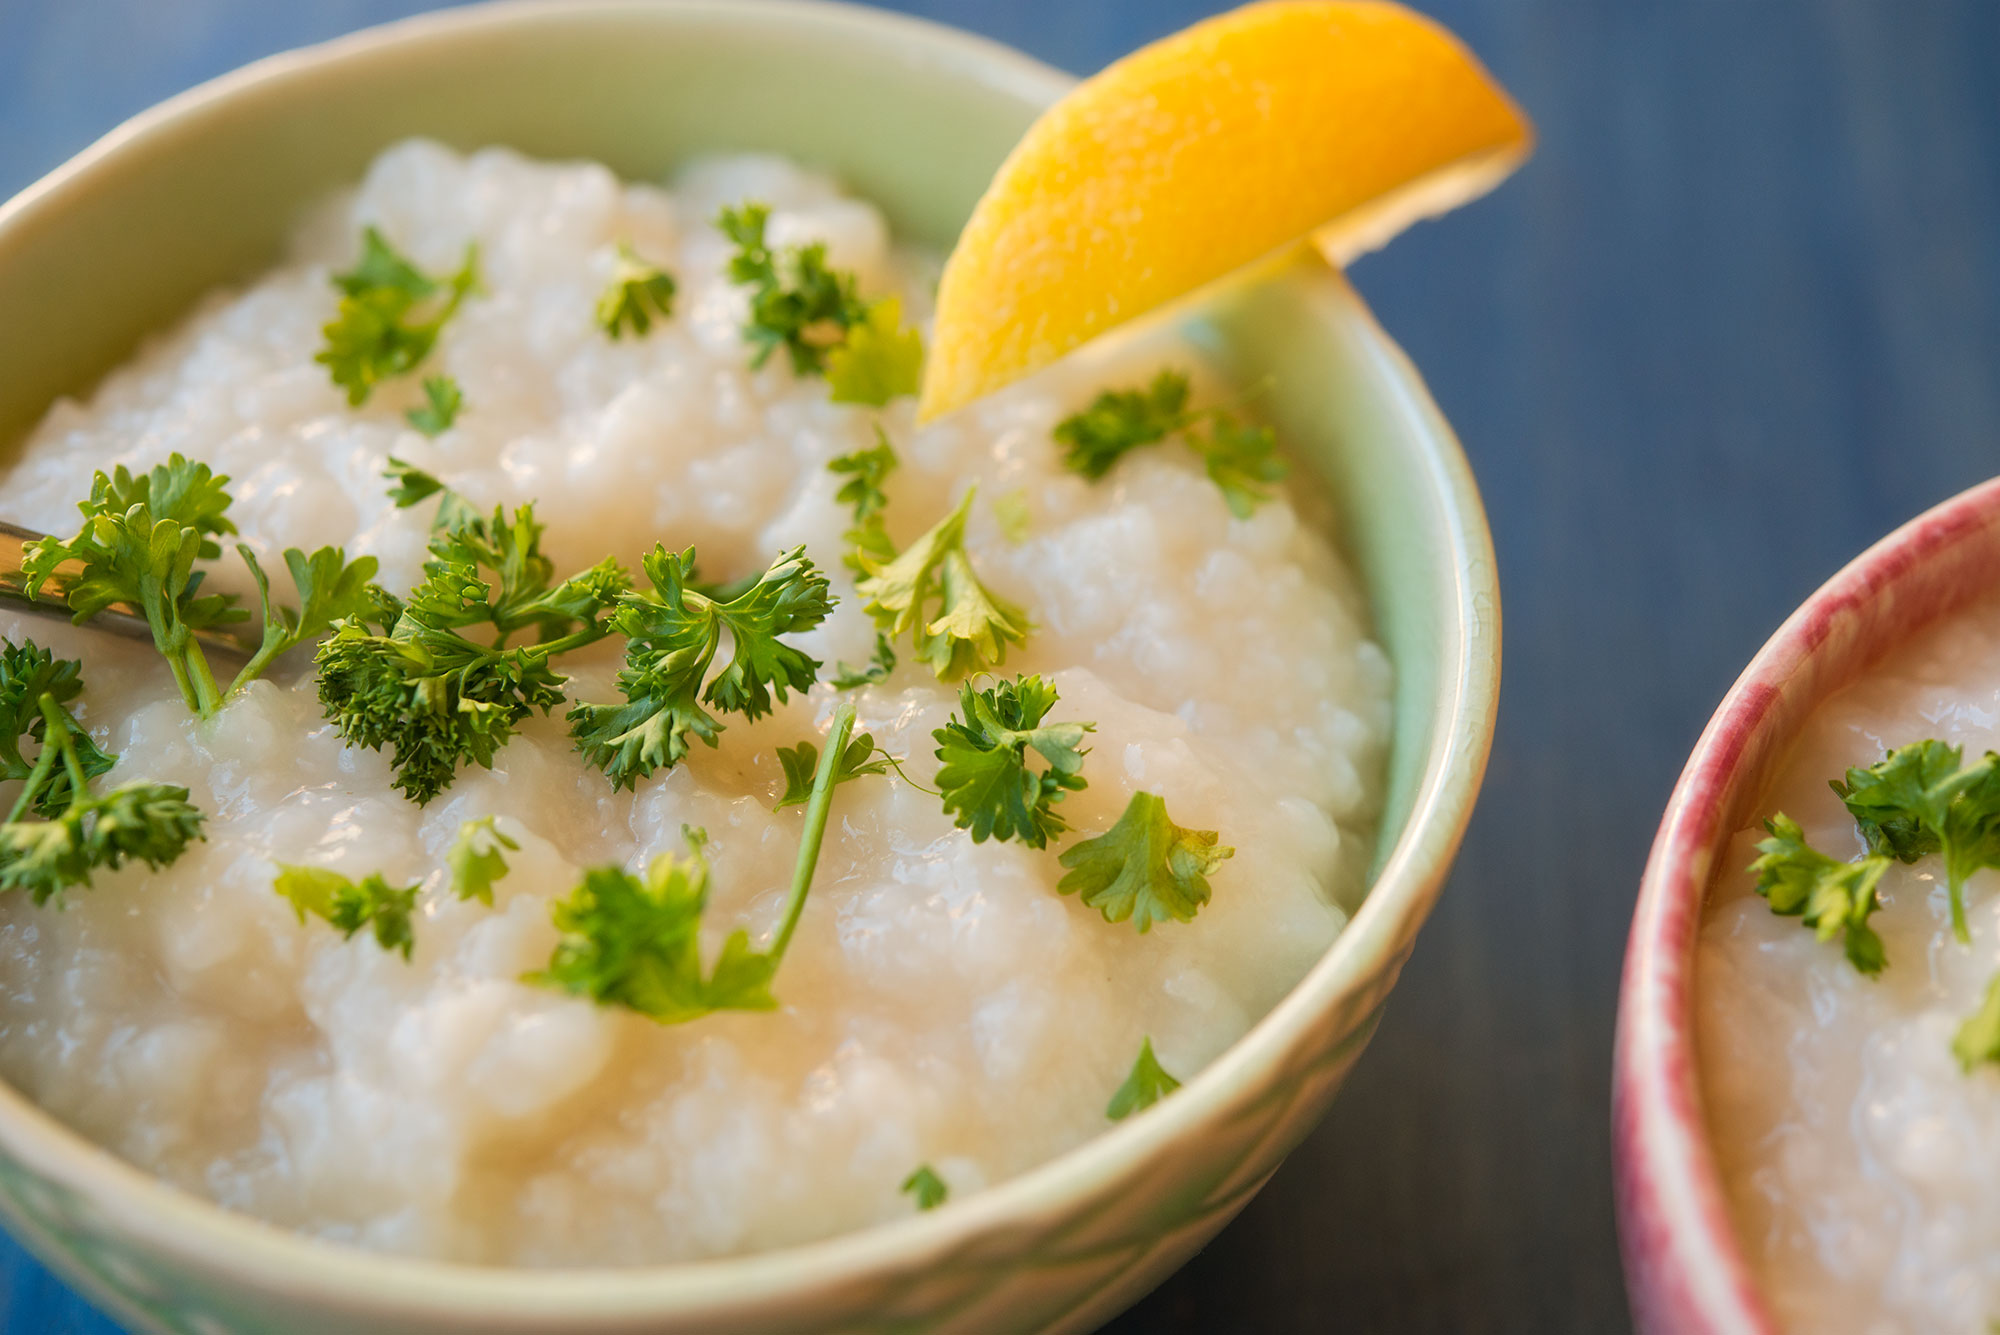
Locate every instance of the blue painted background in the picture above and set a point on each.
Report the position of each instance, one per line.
(1738, 318)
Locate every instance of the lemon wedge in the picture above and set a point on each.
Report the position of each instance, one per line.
(1342, 121)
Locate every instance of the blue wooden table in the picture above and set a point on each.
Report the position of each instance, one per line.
(1739, 317)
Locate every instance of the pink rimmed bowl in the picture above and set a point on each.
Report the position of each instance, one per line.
(1685, 1269)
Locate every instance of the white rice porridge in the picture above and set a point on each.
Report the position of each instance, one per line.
(941, 1003)
(1861, 1161)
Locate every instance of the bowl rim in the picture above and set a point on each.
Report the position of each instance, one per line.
(199, 1232)
(1685, 1268)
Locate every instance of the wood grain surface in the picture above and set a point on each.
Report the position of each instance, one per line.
(1738, 318)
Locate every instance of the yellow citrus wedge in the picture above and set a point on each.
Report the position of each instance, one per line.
(1343, 121)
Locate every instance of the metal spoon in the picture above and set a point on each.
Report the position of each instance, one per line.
(52, 599)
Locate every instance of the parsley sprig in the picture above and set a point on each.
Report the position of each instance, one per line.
(1241, 459)
(802, 304)
(926, 1188)
(1147, 1084)
(931, 593)
(406, 674)
(1922, 799)
(673, 636)
(351, 906)
(1144, 867)
(988, 785)
(633, 941)
(141, 538)
(866, 471)
(390, 315)
(1832, 897)
(639, 292)
(81, 831)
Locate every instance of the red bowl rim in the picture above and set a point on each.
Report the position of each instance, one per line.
(1684, 1269)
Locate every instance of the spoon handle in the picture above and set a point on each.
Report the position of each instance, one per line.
(52, 598)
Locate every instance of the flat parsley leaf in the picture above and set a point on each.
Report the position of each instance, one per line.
(931, 592)
(351, 905)
(1922, 799)
(925, 1187)
(639, 291)
(1978, 1039)
(985, 779)
(1145, 1086)
(442, 401)
(879, 360)
(1144, 867)
(390, 315)
(801, 763)
(1827, 895)
(476, 860)
(412, 484)
(672, 640)
(633, 941)
(797, 302)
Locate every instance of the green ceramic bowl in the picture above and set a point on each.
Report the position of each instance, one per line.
(202, 191)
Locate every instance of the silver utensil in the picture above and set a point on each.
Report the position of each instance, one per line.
(52, 599)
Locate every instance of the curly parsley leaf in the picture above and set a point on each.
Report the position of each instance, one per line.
(931, 592)
(880, 664)
(390, 315)
(1147, 1084)
(443, 399)
(1922, 799)
(797, 302)
(879, 360)
(1830, 896)
(400, 674)
(350, 905)
(672, 639)
(925, 1187)
(1119, 421)
(640, 291)
(866, 471)
(477, 858)
(29, 675)
(985, 779)
(1144, 867)
(1241, 460)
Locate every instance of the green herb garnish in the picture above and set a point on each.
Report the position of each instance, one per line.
(1145, 1086)
(1921, 799)
(477, 858)
(931, 592)
(351, 905)
(390, 315)
(141, 537)
(880, 664)
(442, 401)
(633, 941)
(1828, 895)
(639, 291)
(1241, 460)
(403, 674)
(985, 779)
(879, 360)
(926, 1187)
(1145, 867)
(866, 471)
(1978, 1039)
(797, 302)
(673, 634)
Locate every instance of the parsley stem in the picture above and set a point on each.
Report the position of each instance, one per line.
(818, 807)
(44, 762)
(56, 735)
